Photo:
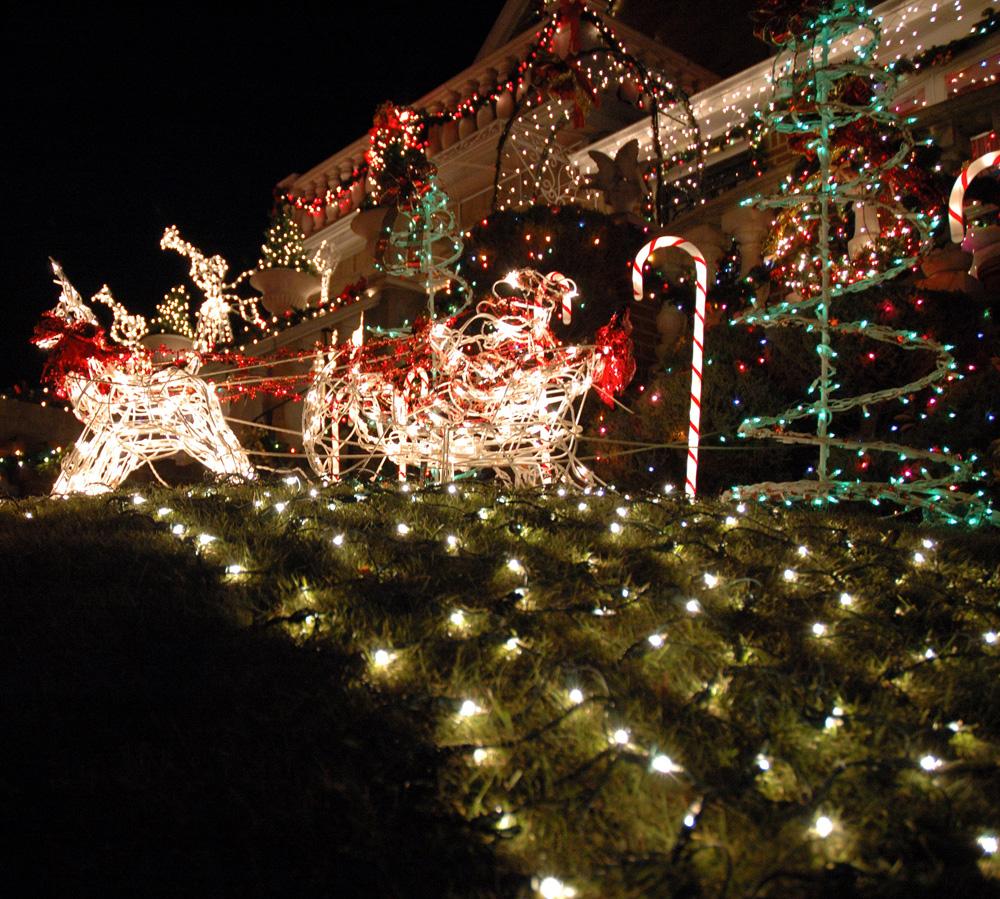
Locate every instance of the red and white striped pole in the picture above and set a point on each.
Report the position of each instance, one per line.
(568, 292)
(698, 351)
(956, 216)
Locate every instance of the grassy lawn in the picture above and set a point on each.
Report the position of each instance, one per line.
(366, 691)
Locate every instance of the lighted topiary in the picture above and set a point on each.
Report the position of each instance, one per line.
(283, 244)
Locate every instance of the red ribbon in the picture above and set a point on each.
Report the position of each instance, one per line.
(619, 364)
(569, 14)
(78, 349)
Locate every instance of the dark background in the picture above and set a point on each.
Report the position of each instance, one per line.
(116, 126)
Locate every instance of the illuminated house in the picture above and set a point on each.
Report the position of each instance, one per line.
(484, 114)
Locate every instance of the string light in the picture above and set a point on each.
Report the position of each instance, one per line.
(823, 826)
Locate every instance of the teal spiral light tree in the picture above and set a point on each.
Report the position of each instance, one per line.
(834, 101)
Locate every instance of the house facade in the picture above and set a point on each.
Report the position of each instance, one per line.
(492, 134)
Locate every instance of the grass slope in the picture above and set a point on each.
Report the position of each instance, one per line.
(362, 691)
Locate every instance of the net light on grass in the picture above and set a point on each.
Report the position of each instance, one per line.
(663, 764)
(823, 826)
(989, 844)
(930, 763)
(553, 888)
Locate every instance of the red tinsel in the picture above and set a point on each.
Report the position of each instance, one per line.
(619, 364)
(75, 349)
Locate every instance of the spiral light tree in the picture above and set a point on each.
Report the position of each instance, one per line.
(420, 238)
(835, 103)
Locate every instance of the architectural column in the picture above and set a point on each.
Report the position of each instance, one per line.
(749, 226)
(434, 132)
(333, 205)
(346, 173)
(358, 190)
(449, 130)
(467, 124)
(486, 113)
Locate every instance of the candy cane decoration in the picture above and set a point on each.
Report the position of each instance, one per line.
(569, 291)
(956, 200)
(698, 351)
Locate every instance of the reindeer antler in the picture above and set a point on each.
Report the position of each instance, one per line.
(70, 306)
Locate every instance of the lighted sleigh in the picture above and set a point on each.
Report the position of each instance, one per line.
(495, 390)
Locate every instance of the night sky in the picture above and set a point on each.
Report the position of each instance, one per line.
(116, 127)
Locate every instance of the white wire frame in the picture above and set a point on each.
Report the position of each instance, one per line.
(479, 404)
(136, 414)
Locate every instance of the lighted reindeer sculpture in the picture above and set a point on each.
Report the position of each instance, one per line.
(494, 390)
(134, 410)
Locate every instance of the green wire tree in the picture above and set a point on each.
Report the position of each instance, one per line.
(422, 240)
(419, 236)
(834, 100)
